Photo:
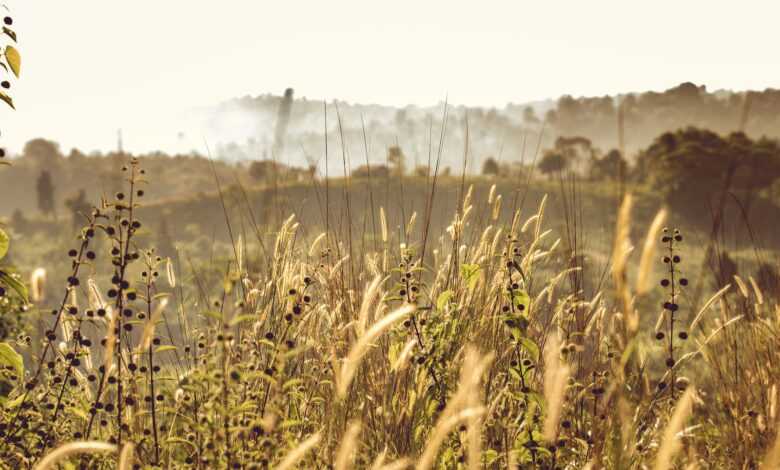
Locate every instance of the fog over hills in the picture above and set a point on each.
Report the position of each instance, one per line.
(247, 128)
(250, 128)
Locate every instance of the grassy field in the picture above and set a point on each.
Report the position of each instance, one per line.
(404, 323)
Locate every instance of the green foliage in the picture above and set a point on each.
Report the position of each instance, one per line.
(691, 167)
(8, 279)
(10, 358)
(14, 59)
(4, 243)
(470, 273)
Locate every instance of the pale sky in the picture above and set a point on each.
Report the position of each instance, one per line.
(90, 67)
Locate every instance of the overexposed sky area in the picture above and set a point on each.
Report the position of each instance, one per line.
(90, 67)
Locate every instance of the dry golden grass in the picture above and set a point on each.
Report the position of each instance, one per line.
(491, 344)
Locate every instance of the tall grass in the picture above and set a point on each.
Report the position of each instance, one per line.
(398, 349)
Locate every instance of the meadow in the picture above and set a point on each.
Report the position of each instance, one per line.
(435, 322)
(587, 282)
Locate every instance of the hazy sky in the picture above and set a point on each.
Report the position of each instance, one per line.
(90, 67)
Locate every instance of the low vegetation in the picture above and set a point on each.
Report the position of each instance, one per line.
(477, 347)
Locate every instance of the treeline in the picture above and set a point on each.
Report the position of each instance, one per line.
(689, 167)
(45, 180)
(510, 133)
(647, 115)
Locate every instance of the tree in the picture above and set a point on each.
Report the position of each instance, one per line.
(375, 171)
(490, 167)
(610, 166)
(396, 159)
(690, 167)
(552, 162)
(45, 189)
(529, 116)
(266, 170)
(577, 151)
(44, 153)
(79, 207)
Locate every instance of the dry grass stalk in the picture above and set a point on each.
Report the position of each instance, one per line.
(362, 345)
(670, 442)
(707, 305)
(648, 252)
(457, 409)
(347, 448)
(556, 374)
(126, 457)
(620, 253)
(73, 448)
(293, 457)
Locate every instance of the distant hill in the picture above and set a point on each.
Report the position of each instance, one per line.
(511, 132)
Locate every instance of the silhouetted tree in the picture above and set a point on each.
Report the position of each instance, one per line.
(691, 166)
(529, 116)
(45, 189)
(490, 167)
(44, 153)
(395, 159)
(282, 121)
(610, 166)
(375, 171)
(552, 162)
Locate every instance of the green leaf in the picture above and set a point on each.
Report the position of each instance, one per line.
(162, 349)
(214, 314)
(4, 242)
(444, 297)
(242, 318)
(530, 347)
(522, 298)
(7, 99)
(470, 273)
(9, 32)
(9, 357)
(15, 285)
(77, 412)
(11, 404)
(14, 59)
(491, 456)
